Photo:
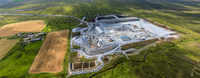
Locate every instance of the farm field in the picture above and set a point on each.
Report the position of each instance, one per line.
(51, 55)
(6, 46)
(9, 19)
(28, 26)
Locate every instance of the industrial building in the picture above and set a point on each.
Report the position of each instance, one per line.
(108, 35)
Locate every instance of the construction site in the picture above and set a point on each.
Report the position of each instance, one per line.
(107, 35)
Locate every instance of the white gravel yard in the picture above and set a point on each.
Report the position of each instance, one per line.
(161, 32)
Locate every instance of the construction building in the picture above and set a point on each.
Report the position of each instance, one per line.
(108, 33)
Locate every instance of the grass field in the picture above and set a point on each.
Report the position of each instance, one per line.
(72, 55)
(60, 23)
(16, 62)
(87, 60)
(82, 59)
(6, 46)
(28, 26)
(51, 55)
(139, 45)
(170, 63)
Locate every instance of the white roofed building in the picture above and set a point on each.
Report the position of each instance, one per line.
(99, 30)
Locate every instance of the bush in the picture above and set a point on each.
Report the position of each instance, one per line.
(76, 34)
(18, 56)
(76, 47)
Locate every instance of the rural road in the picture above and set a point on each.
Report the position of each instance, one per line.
(47, 6)
(45, 16)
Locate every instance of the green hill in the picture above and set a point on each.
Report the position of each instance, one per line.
(26, 4)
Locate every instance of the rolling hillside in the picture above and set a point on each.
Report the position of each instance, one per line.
(10, 5)
(177, 59)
